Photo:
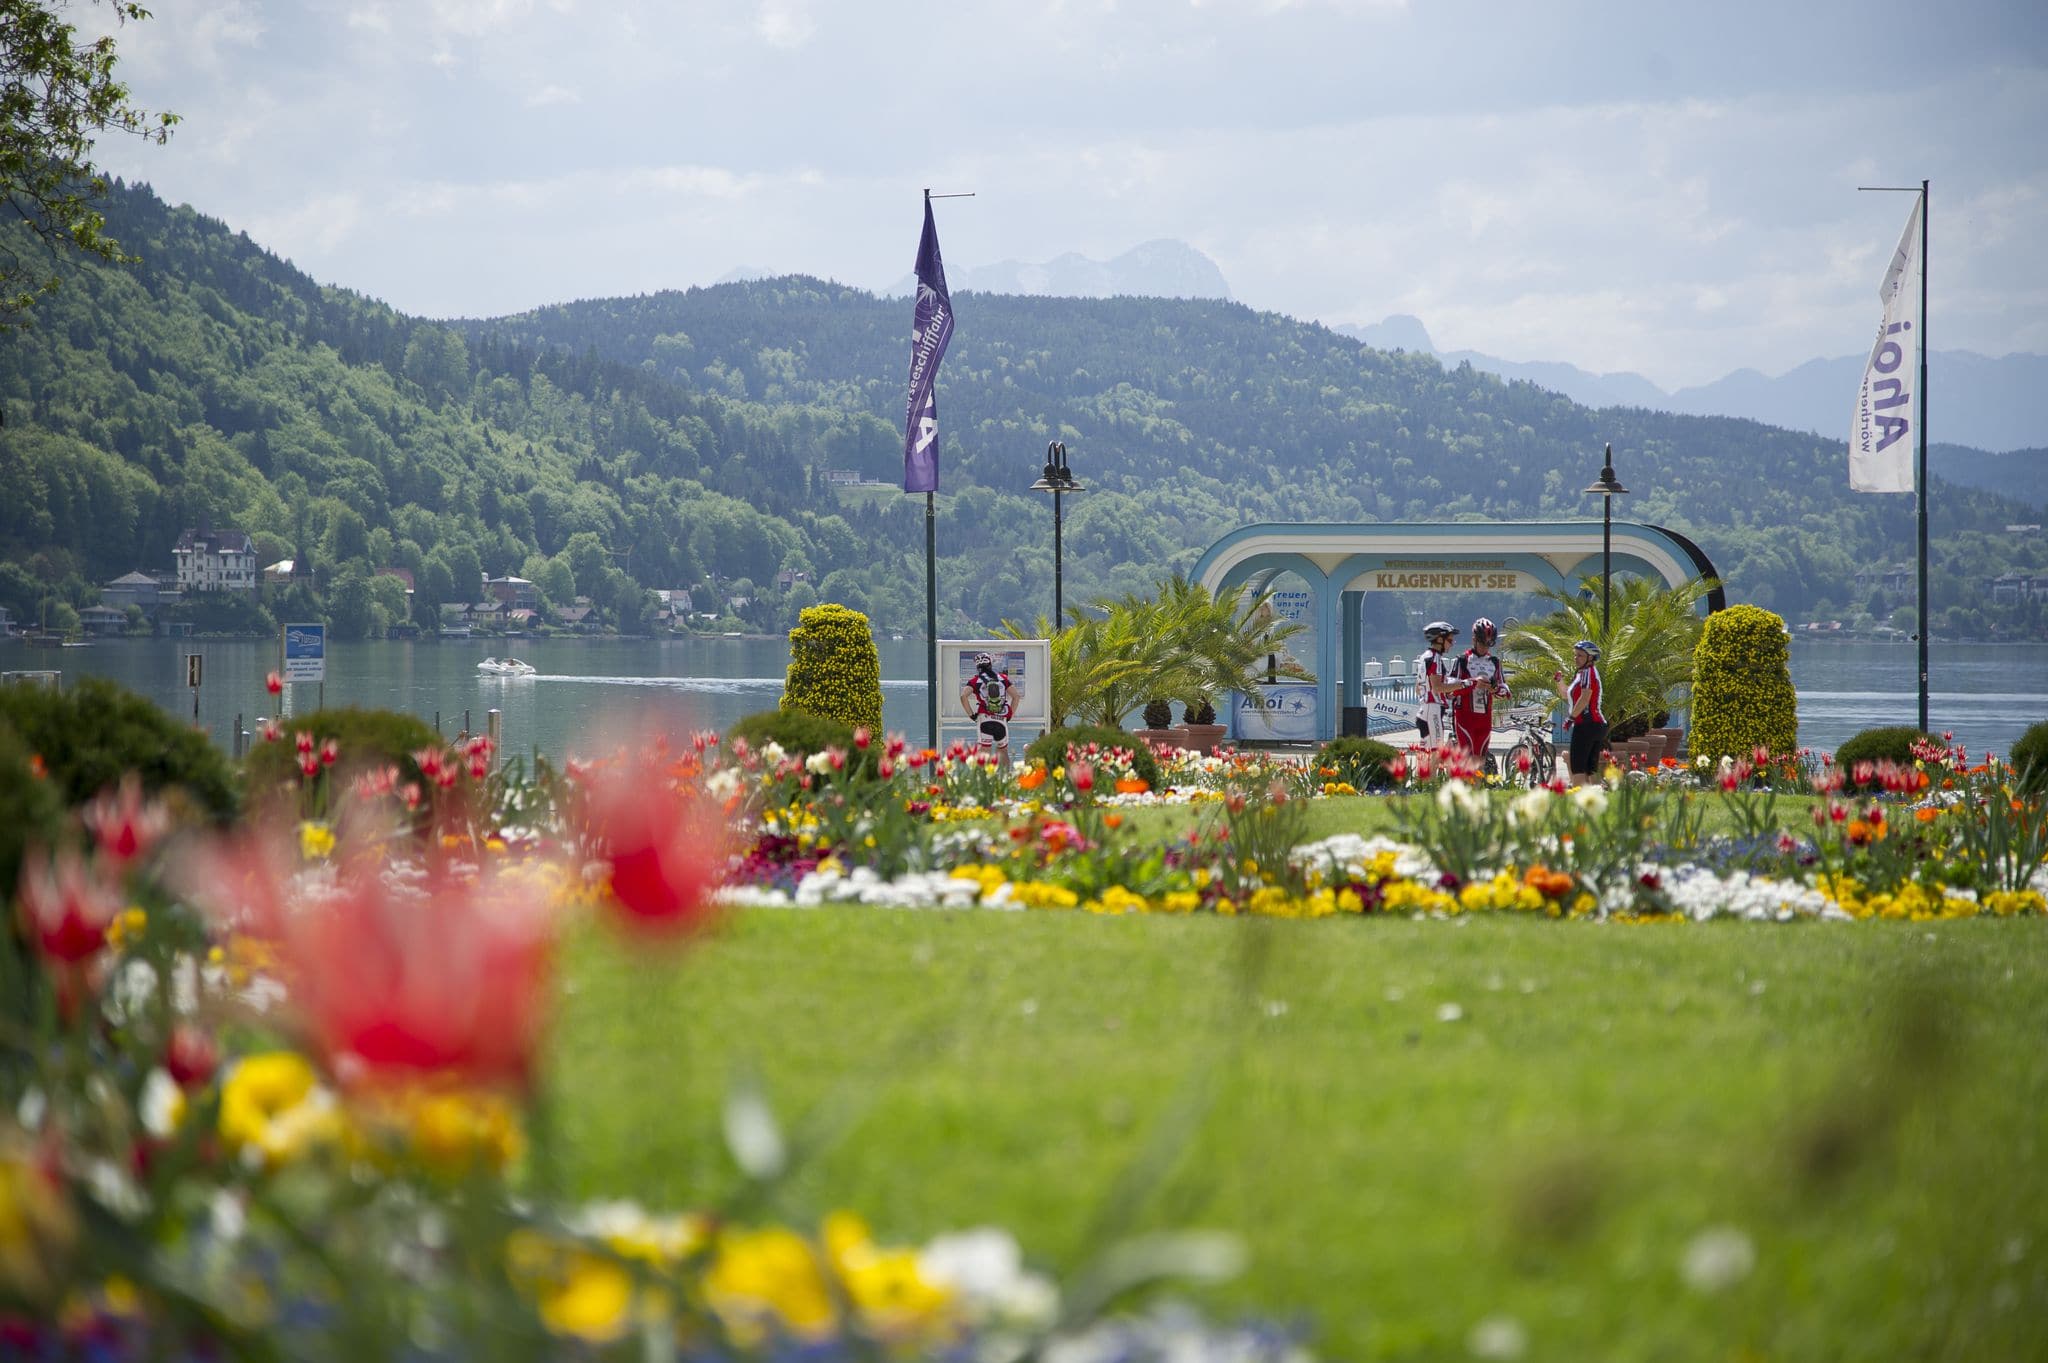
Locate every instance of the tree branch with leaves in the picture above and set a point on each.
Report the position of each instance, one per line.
(58, 92)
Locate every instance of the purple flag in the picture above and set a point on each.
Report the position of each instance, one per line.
(930, 330)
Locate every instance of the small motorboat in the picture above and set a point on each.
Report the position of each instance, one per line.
(506, 667)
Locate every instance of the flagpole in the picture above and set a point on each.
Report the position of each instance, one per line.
(1921, 476)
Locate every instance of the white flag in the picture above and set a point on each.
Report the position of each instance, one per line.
(1882, 441)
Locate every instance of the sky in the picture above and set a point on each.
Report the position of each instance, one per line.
(1664, 188)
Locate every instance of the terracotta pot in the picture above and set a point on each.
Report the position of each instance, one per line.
(1201, 738)
(1157, 736)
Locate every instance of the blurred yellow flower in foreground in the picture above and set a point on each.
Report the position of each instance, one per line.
(575, 1290)
(273, 1109)
(316, 841)
(895, 1301)
(37, 1228)
(764, 1282)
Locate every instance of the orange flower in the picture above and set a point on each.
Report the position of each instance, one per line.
(1926, 815)
(1113, 820)
(37, 767)
(1860, 833)
(1131, 785)
(1032, 779)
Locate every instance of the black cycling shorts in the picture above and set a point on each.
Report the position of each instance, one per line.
(1589, 740)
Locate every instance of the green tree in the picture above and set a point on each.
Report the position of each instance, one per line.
(57, 93)
(1646, 651)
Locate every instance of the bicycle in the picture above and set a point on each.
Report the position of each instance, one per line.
(1533, 741)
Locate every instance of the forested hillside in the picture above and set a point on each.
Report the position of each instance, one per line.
(606, 447)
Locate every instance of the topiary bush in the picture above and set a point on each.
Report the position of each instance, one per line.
(1050, 748)
(1890, 744)
(1360, 763)
(834, 668)
(1742, 696)
(93, 733)
(2029, 756)
(365, 738)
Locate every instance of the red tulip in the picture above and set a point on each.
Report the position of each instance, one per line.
(330, 752)
(190, 1057)
(66, 906)
(663, 850)
(124, 826)
(305, 741)
(447, 977)
(273, 683)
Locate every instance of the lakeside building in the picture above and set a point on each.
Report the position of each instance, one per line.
(512, 591)
(215, 561)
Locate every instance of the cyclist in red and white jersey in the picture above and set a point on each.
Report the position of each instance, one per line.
(1472, 716)
(1586, 720)
(1435, 687)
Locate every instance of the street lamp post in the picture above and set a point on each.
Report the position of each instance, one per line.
(1058, 479)
(1607, 489)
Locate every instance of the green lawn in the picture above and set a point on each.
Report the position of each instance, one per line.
(1369, 814)
(1865, 1102)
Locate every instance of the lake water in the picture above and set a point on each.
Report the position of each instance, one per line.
(1987, 694)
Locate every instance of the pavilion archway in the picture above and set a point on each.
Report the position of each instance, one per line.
(1337, 565)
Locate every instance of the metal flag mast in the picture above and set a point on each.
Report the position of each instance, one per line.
(931, 537)
(1920, 486)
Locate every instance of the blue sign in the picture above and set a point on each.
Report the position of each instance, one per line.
(1283, 711)
(305, 653)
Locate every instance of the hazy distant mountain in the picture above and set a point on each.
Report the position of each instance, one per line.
(1989, 404)
(1157, 269)
(1974, 400)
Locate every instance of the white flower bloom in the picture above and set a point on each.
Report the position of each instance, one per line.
(1718, 1258)
(772, 753)
(986, 1268)
(1591, 799)
(1498, 1337)
(1532, 806)
(160, 1104)
(817, 764)
(722, 782)
(1457, 797)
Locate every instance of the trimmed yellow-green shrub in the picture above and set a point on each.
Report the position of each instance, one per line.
(834, 668)
(1742, 696)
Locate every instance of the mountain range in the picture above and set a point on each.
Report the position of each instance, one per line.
(1984, 402)
(1974, 400)
(747, 439)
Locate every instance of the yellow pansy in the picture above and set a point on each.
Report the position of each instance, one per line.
(272, 1104)
(762, 1282)
(576, 1291)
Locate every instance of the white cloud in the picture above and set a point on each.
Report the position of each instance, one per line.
(549, 95)
(784, 23)
(316, 227)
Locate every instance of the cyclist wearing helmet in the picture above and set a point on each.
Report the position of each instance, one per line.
(991, 699)
(1472, 717)
(1586, 720)
(1435, 687)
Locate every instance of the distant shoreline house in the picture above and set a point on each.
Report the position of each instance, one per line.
(215, 561)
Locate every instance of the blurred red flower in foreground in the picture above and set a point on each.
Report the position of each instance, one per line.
(125, 825)
(397, 977)
(662, 843)
(66, 906)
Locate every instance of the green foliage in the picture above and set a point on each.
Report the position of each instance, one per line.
(30, 810)
(802, 735)
(94, 732)
(1050, 748)
(1893, 743)
(834, 668)
(367, 739)
(1646, 652)
(1359, 762)
(1180, 642)
(1742, 696)
(57, 92)
(222, 614)
(2029, 756)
